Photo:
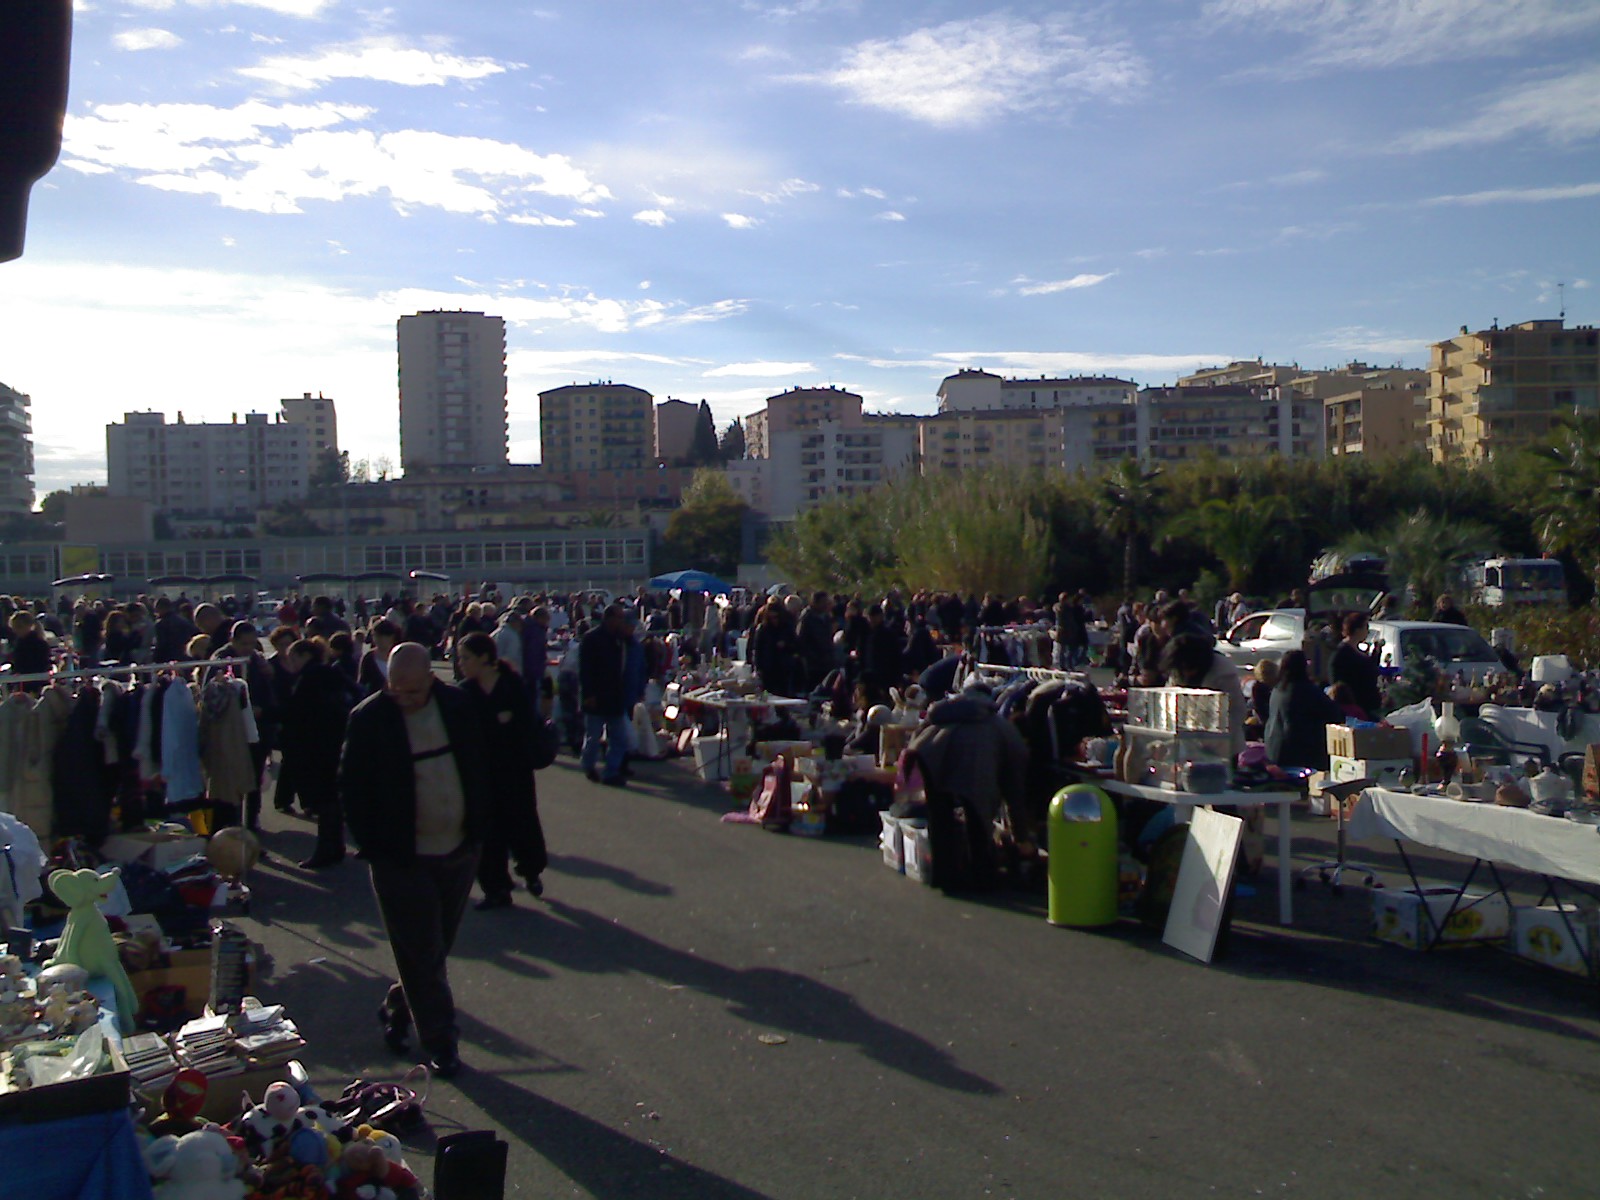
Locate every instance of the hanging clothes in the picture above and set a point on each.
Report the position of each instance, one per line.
(224, 730)
(81, 786)
(180, 744)
(31, 799)
(16, 715)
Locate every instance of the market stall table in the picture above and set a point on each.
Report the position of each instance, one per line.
(1281, 800)
(736, 706)
(1550, 847)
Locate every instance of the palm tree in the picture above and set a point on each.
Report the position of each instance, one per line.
(1236, 532)
(1129, 501)
(1569, 516)
(1423, 551)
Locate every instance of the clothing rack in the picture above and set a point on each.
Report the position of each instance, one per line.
(7, 678)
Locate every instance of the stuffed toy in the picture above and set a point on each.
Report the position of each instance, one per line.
(367, 1174)
(197, 1166)
(181, 1103)
(86, 941)
(264, 1126)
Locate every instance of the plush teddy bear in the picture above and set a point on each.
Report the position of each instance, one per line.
(199, 1166)
(365, 1173)
(86, 941)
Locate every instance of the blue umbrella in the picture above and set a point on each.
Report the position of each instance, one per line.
(690, 581)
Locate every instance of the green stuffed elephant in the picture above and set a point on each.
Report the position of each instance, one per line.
(86, 941)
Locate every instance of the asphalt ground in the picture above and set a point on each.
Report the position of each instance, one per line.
(713, 1012)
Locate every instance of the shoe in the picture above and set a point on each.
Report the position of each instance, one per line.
(591, 774)
(496, 900)
(446, 1065)
(321, 862)
(286, 809)
(535, 886)
(394, 1036)
(616, 781)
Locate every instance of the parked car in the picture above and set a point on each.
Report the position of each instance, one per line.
(1271, 633)
(1456, 648)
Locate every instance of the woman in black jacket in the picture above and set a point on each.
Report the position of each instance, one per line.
(313, 734)
(512, 733)
(1300, 712)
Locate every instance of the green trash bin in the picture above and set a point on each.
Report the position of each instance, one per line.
(1083, 857)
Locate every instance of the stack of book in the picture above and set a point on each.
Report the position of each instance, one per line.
(264, 1035)
(207, 1045)
(150, 1061)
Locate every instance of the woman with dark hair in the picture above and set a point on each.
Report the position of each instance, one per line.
(374, 673)
(121, 640)
(775, 649)
(1351, 664)
(511, 733)
(1300, 712)
(314, 720)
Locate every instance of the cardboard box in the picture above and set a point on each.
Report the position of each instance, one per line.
(158, 850)
(1369, 743)
(892, 842)
(1385, 770)
(1398, 917)
(190, 970)
(1539, 933)
(105, 1092)
(918, 858)
(225, 1093)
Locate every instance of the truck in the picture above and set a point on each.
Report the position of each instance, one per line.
(1498, 581)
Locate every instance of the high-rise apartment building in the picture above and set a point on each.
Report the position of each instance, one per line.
(798, 408)
(676, 422)
(1499, 389)
(16, 452)
(596, 427)
(208, 470)
(1229, 420)
(452, 391)
(317, 416)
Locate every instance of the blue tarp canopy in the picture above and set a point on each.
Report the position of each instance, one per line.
(690, 581)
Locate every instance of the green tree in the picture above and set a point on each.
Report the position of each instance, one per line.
(707, 530)
(1424, 550)
(54, 506)
(731, 445)
(1568, 517)
(703, 448)
(332, 468)
(1237, 532)
(1130, 505)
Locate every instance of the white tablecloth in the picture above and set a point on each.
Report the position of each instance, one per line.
(1514, 836)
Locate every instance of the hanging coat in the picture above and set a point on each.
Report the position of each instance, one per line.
(180, 745)
(224, 742)
(81, 785)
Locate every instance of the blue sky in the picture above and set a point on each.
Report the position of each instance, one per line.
(724, 198)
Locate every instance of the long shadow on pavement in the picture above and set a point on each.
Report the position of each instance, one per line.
(579, 940)
(604, 1161)
(588, 868)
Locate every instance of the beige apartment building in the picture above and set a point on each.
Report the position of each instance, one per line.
(1500, 389)
(796, 409)
(953, 442)
(596, 427)
(1378, 422)
(1230, 421)
(452, 391)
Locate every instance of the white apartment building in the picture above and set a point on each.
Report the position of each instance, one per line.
(834, 458)
(16, 453)
(984, 391)
(452, 391)
(208, 470)
(316, 414)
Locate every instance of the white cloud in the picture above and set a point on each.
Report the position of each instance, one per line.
(782, 192)
(263, 157)
(1051, 287)
(288, 8)
(1532, 195)
(760, 370)
(1151, 252)
(1563, 109)
(875, 193)
(386, 60)
(968, 72)
(1064, 362)
(146, 39)
(538, 218)
(740, 221)
(1359, 340)
(1297, 178)
(889, 215)
(1387, 33)
(652, 216)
